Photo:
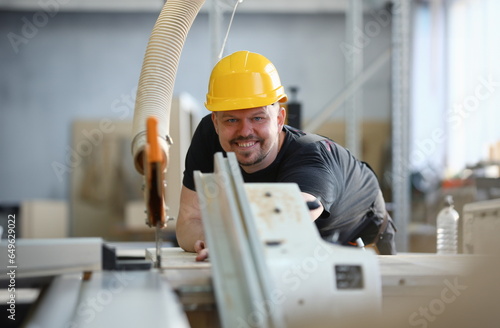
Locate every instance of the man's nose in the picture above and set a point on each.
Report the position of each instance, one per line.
(246, 128)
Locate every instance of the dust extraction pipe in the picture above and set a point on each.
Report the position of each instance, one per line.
(156, 83)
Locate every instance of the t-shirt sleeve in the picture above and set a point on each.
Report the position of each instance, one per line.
(199, 157)
(318, 179)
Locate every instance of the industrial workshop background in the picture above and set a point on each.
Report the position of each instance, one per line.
(411, 87)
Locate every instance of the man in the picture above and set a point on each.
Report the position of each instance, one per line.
(244, 95)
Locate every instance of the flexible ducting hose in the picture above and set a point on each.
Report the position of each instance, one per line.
(156, 82)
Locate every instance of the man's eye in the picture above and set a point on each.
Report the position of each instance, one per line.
(258, 118)
(231, 120)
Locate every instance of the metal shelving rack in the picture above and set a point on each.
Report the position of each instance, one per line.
(400, 121)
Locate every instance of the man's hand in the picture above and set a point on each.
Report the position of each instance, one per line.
(201, 249)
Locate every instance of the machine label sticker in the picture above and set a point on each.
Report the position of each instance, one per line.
(349, 276)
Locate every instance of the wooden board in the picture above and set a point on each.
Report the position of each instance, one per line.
(409, 281)
(176, 258)
(402, 270)
(420, 268)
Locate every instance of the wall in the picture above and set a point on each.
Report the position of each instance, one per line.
(86, 66)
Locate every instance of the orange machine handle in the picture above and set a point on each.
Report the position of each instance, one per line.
(154, 151)
(153, 171)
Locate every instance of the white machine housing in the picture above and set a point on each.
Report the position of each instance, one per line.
(270, 267)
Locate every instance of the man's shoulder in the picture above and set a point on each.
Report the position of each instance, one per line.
(305, 137)
(205, 136)
(308, 141)
(205, 127)
(206, 121)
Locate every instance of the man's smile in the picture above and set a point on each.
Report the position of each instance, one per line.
(246, 144)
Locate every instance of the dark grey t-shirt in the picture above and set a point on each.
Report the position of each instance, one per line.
(345, 186)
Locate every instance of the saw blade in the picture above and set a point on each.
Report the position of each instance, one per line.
(158, 244)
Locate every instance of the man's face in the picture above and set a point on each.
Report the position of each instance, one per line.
(252, 134)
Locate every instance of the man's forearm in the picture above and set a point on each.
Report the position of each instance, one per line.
(188, 232)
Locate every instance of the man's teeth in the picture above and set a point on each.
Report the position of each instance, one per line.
(246, 144)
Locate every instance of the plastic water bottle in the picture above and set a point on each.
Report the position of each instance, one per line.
(447, 229)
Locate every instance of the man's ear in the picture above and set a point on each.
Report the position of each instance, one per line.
(281, 117)
(215, 122)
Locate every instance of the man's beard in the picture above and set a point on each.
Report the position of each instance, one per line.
(261, 155)
(245, 154)
(259, 159)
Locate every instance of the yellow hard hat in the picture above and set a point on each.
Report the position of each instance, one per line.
(244, 80)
